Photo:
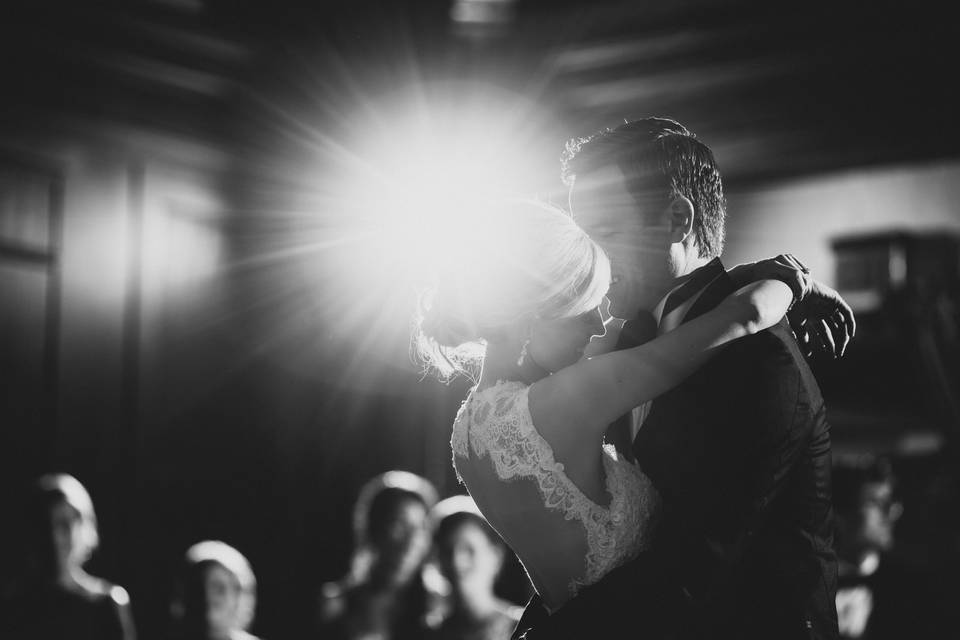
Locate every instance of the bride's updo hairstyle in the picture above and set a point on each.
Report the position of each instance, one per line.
(525, 260)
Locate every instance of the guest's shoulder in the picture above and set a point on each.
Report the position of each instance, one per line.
(104, 591)
(119, 596)
(332, 599)
(507, 620)
(498, 626)
(113, 593)
(511, 611)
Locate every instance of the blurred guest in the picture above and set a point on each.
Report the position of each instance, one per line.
(471, 555)
(57, 598)
(216, 596)
(877, 597)
(383, 596)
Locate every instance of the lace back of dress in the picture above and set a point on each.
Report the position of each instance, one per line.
(496, 423)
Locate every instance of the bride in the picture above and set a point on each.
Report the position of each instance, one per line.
(516, 313)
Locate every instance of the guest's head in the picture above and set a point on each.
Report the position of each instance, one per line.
(392, 528)
(217, 593)
(866, 508)
(62, 524)
(470, 553)
(529, 272)
(650, 193)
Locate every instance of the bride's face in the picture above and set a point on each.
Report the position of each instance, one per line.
(555, 344)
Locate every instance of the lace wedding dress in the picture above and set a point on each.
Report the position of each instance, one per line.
(564, 539)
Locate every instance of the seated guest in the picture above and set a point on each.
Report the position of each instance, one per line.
(383, 595)
(471, 555)
(57, 598)
(216, 595)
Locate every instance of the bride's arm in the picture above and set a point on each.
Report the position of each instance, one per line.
(595, 391)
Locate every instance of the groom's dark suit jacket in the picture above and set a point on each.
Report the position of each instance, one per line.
(740, 453)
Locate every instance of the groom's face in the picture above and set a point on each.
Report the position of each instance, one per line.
(635, 236)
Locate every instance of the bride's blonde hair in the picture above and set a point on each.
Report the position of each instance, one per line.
(528, 260)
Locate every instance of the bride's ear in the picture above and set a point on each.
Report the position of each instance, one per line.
(681, 219)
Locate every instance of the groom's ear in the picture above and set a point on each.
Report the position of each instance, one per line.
(681, 216)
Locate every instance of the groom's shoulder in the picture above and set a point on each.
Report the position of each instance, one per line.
(771, 349)
(757, 386)
(767, 364)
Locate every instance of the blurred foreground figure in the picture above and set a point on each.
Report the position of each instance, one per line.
(878, 597)
(885, 590)
(217, 594)
(383, 596)
(57, 598)
(471, 555)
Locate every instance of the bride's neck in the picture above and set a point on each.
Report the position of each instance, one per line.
(502, 362)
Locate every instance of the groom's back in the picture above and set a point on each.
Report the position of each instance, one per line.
(740, 453)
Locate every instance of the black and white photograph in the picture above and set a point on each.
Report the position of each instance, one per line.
(479, 320)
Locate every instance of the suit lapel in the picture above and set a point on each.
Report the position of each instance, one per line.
(691, 286)
(721, 287)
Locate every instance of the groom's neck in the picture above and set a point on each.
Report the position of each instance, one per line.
(653, 293)
(692, 264)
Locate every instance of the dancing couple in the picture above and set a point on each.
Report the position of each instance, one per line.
(674, 482)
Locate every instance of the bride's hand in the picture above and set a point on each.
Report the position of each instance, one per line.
(785, 268)
(822, 321)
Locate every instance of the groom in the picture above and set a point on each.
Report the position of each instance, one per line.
(739, 452)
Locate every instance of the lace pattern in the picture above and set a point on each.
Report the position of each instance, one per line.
(496, 423)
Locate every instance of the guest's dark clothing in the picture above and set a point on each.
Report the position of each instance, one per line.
(51, 612)
(498, 626)
(346, 613)
(900, 601)
(740, 454)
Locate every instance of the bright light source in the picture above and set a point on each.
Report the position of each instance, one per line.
(425, 184)
(393, 191)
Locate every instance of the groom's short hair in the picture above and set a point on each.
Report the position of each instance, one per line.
(661, 160)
